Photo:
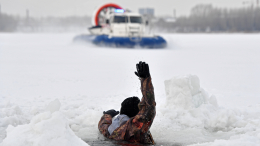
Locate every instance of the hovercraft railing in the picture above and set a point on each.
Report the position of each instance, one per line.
(135, 36)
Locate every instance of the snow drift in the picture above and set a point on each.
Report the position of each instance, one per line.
(10, 115)
(191, 115)
(49, 128)
(185, 92)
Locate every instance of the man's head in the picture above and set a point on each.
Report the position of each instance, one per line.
(129, 106)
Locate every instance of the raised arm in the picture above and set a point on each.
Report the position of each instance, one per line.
(139, 126)
(147, 104)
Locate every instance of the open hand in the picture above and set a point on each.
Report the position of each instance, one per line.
(142, 70)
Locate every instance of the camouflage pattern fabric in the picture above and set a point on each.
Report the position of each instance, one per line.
(136, 129)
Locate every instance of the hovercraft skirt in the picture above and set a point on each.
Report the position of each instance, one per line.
(130, 42)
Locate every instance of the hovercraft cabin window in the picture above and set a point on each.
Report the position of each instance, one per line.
(120, 19)
(135, 19)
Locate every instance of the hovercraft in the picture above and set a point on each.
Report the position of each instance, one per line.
(114, 26)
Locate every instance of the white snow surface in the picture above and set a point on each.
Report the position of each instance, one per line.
(47, 128)
(53, 92)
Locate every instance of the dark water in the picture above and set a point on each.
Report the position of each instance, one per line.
(122, 143)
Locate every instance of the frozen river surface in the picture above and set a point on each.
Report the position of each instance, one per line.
(207, 89)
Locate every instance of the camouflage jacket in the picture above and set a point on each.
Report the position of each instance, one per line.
(136, 129)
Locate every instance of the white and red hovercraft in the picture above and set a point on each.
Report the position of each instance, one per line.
(117, 27)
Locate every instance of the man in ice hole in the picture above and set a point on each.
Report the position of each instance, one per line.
(135, 117)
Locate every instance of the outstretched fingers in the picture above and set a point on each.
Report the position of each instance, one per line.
(142, 70)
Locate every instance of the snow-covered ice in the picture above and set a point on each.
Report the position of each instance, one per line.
(47, 128)
(191, 115)
(206, 87)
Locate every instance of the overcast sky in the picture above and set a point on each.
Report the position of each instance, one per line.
(40, 8)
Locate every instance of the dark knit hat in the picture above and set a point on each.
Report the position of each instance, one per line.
(129, 106)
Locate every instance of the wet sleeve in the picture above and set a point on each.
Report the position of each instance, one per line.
(142, 122)
(147, 105)
(103, 125)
